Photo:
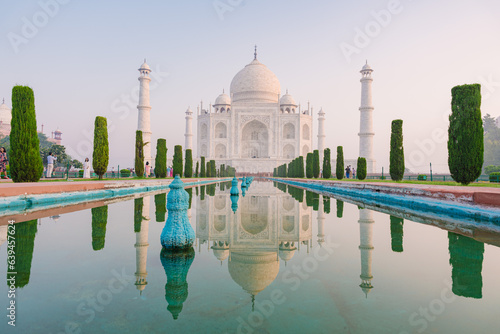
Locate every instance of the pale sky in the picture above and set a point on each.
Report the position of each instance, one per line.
(82, 59)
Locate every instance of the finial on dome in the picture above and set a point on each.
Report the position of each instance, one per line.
(255, 53)
(222, 90)
(287, 90)
(3, 101)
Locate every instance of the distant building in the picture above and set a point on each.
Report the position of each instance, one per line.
(5, 118)
(55, 137)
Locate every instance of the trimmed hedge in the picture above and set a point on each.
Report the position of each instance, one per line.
(177, 162)
(397, 156)
(339, 171)
(139, 154)
(25, 160)
(161, 158)
(465, 134)
(100, 156)
(361, 173)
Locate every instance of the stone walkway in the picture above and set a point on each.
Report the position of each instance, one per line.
(470, 194)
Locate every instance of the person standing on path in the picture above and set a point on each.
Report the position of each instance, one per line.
(147, 169)
(3, 162)
(50, 164)
(86, 169)
(347, 171)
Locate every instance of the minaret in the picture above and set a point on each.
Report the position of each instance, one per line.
(366, 119)
(321, 222)
(321, 135)
(189, 130)
(144, 108)
(141, 247)
(365, 234)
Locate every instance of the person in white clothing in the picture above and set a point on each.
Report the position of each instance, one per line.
(86, 169)
(50, 164)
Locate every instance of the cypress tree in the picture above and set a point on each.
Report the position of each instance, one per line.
(203, 172)
(361, 173)
(209, 170)
(316, 164)
(188, 170)
(139, 154)
(161, 158)
(197, 169)
(160, 207)
(465, 134)
(339, 172)
(301, 166)
(177, 163)
(274, 172)
(213, 170)
(327, 164)
(397, 156)
(100, 156)
(99, 222)
(24, 160)
(309, 165)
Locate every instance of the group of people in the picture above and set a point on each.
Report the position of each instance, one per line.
(348, 172)
(3, 163)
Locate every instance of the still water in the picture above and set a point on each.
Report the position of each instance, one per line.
(282, 261)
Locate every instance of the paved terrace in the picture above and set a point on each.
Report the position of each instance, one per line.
(9, 188)
(470, 194)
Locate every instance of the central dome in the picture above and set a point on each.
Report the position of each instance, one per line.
(256, 83)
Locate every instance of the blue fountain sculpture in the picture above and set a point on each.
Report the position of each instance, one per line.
(177, 235)
(234, 187)
(243, 183)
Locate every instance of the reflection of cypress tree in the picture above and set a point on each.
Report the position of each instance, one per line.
(211, 189)
(326, 204)
(176, 266)
(23, 250)
(202, 195)
(138, 203)
(99, 221)
(281, 186)
(222, 186)
(190, 192)
(315, 201)
(340, 208)
(466, 259)
(160, 207)
(309, 198)
(197, 191)
(396, 234)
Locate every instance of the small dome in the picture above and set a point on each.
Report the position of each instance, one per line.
(286, 254)
(144, 66)
(255, 82)
(287, 99)
(366, 67)
(222, 99)
(221, 254)
(5, 113)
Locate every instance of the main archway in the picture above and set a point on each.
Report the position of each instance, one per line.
(255, 140)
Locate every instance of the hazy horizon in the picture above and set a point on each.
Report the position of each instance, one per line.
(81, 59)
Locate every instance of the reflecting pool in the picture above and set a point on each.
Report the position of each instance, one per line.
(276, 260)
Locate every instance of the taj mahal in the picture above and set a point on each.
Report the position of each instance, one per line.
(255, 128)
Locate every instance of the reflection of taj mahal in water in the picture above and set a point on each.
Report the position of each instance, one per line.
(269, 225)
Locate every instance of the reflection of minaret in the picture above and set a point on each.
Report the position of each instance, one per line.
(466, 259)
(365, 235)
(321, 222)
(141, 248)
(3, 234)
